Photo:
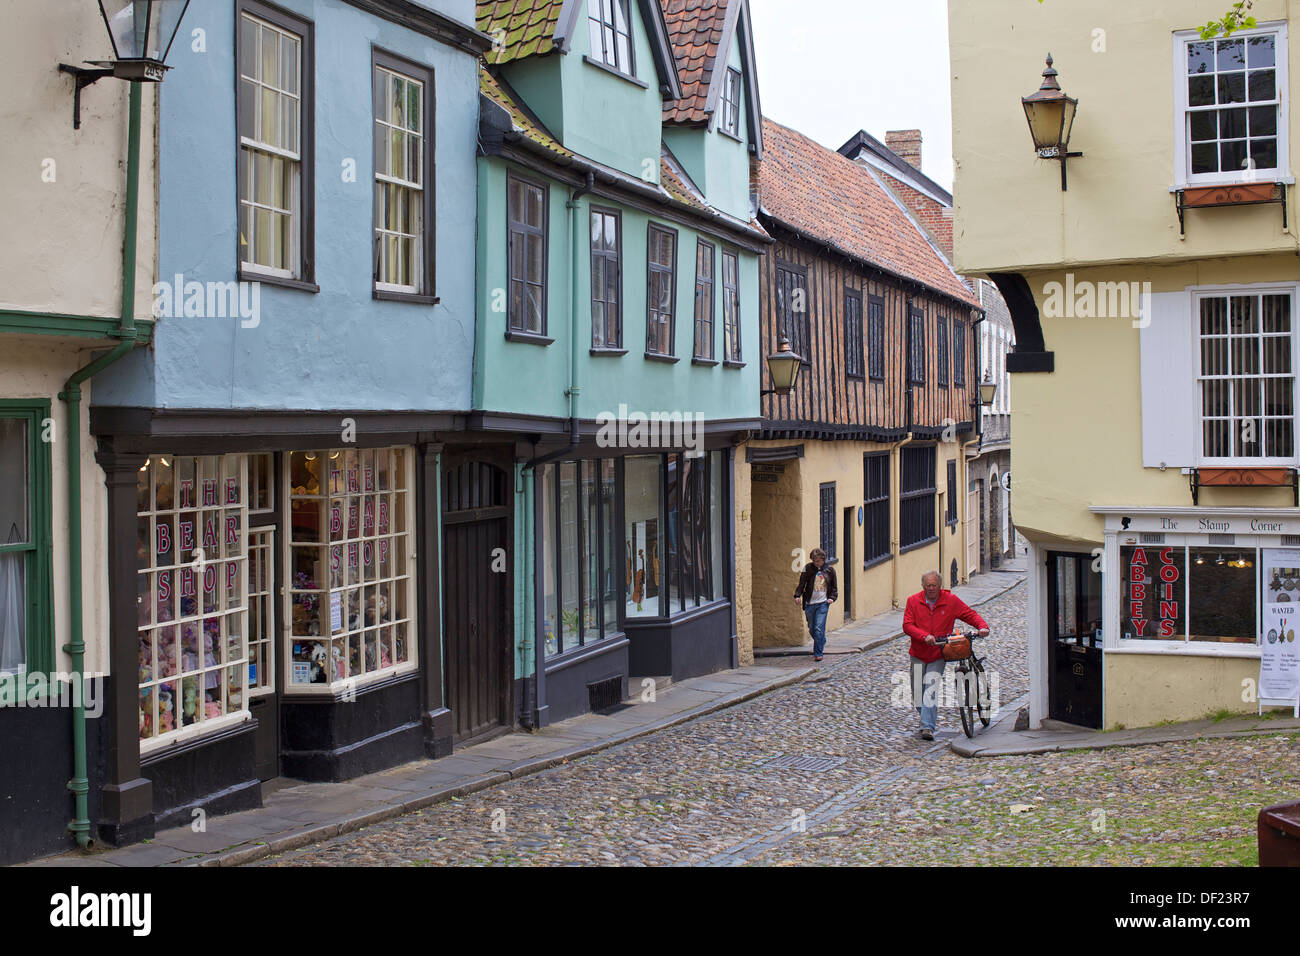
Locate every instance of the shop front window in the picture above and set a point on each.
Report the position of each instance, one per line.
(351, 606)
(581, 588)
(643, 514)
(1203, 594)
(192, 600)
(1221, 585)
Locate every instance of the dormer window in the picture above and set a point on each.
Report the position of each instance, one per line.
(731, 104)
(611, 34)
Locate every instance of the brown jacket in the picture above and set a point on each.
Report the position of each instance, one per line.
(805, 588)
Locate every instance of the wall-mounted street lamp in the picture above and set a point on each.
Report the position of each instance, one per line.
(987, 391)
(141, 32)
(1051, 116)
(783, 365)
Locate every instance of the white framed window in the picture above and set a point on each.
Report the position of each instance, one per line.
(261, 616)
(731, 103)
(192, 607)
(401, 163)
(1231, 107)
(350, 552)
(271, 146)
(1245, 374)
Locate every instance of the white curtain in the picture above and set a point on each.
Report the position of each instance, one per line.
(13, 608)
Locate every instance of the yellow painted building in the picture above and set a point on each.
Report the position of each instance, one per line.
(1154, 301)
(867, 457)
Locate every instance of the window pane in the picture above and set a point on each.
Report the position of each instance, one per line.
(644, 525)
(1232, 87)
(1200, 57)
(1222, 588)
(15, 491)
(1231, 54)
(1151, 605)
(570, 556)
(612, 574)
(1200, 91)
(591, 580)
(288, 65)
(550, 543)
(1205, 158)
(1204, 126)
(1232, 124)
(675, 527)
(1263, 121)
(1261, 52)
(1263, 85)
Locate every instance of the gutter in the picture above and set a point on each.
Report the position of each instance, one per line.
(71, 396)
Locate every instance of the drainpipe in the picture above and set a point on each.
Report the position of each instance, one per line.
(71, 396)
(977, 441)
(898, 449)
(575, 345)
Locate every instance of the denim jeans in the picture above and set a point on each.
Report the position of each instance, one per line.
(816, 615)
(927, 686)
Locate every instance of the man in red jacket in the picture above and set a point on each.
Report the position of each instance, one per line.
(928, 615)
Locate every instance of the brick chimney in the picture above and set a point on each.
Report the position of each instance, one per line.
(907, 144)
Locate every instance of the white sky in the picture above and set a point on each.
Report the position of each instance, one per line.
(829, 68)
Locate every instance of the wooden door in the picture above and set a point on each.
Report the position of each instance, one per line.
(972, 532)
(476, 599)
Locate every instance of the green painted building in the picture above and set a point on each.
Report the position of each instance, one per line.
(616, 357)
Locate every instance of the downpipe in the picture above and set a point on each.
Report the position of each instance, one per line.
(79, 785)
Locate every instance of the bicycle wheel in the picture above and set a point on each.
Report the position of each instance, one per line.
(966, 704)
(983, 696)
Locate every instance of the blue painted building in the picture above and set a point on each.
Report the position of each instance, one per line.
(273, 463)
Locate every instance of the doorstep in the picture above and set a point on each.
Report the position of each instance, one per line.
(1002, 740)
(297, 814)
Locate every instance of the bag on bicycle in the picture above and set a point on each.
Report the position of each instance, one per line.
(957, 648)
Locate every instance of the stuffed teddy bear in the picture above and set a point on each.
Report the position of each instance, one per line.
(146, 661)
(190, 696)
(166, 718)
(319, 655)
(211, 708)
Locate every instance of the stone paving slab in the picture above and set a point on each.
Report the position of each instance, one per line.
(1002, 740)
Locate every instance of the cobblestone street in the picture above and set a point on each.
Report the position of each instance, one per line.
(717, 791)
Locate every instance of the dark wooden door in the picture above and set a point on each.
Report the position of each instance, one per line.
(476, 599)
(846, 577)
(1074, 652)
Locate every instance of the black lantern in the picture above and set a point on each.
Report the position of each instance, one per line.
(142, 32)
(1051, 117)
(987, 391)
(783, 365)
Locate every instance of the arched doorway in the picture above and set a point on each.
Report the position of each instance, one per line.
(476, 590)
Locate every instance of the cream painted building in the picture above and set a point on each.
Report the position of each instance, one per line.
(61, 292)
(1154, 304)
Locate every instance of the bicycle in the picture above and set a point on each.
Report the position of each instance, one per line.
(976, 700)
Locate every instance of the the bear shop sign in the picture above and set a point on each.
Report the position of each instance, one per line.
(1153, 593)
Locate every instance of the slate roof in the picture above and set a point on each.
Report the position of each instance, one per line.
(695, 28)
(528, 25)
(829, 198)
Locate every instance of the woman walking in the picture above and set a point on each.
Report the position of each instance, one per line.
(817, 591)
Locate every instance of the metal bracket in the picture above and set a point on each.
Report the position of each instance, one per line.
(1180, 204)
(84, 78)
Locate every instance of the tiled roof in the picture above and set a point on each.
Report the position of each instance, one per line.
(675, 185)
(827, 197)
(519, 27)
(695, 28)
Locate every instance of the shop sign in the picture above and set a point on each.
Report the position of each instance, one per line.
(1216, 524)
(1152, 593)
(1279, 657)
(767, 474)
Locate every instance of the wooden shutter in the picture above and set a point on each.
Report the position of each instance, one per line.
(1170, 397)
